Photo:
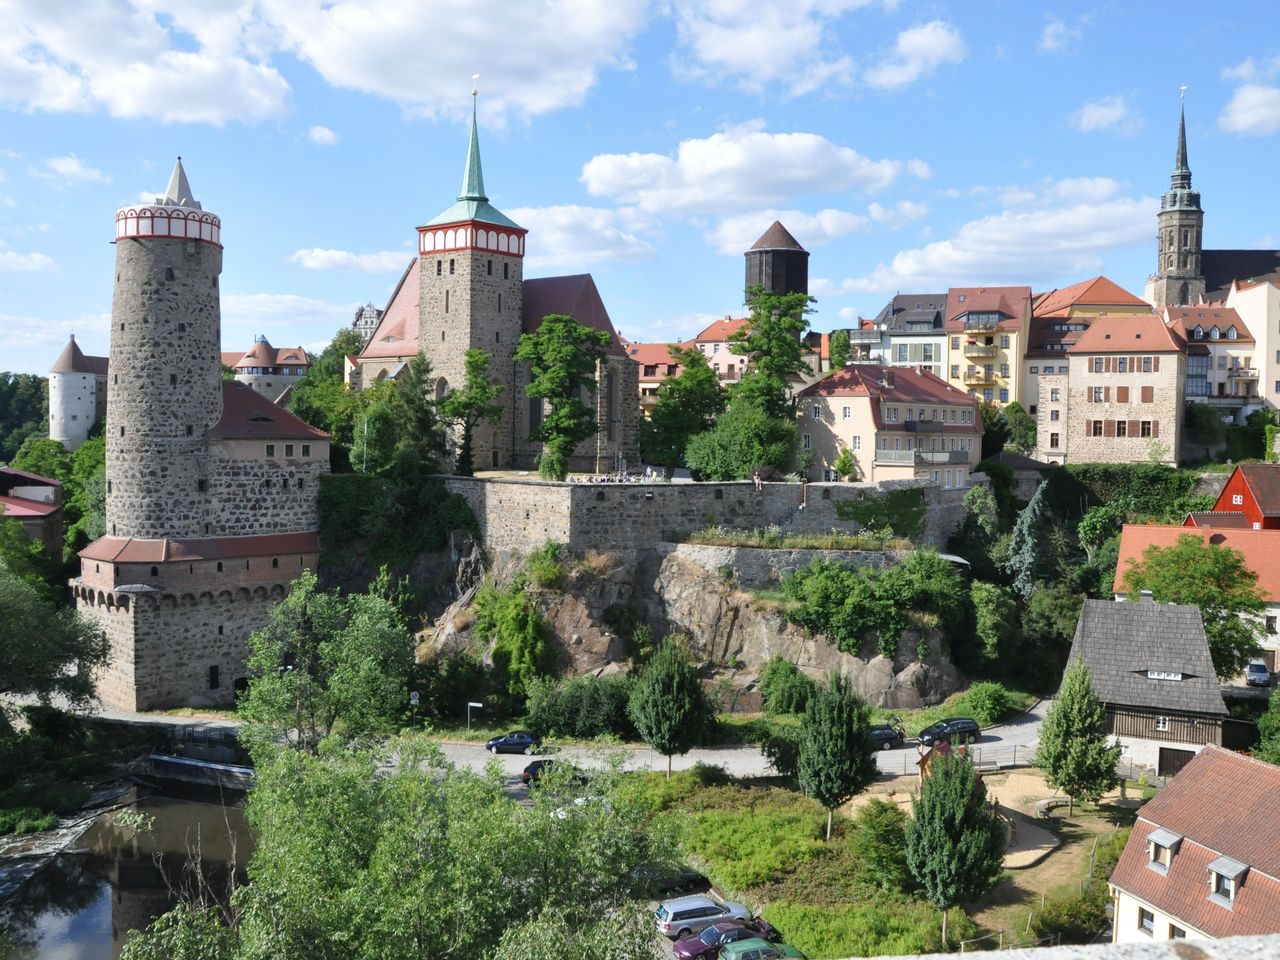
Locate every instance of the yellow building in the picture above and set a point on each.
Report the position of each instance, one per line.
(987, 331)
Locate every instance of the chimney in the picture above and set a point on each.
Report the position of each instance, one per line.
(1146, 596)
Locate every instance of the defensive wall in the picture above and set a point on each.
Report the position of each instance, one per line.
(519, 516)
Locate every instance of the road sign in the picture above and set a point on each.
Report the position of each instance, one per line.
(474, 704)
(413, 697)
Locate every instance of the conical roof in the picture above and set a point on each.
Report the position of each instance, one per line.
(72, 360)
(472, 174)
(1181, 179)
(472, 204)
(178, 193)
(777, 237)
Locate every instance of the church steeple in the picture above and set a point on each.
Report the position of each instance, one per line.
(1178, 279)
(472, 175)
(472, 205)
(1181, 179)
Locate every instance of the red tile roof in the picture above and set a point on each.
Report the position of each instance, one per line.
(1013, 302)
(891, 384)
(1261, 549)
(1264, 483)
(7, 472)
(576, 296)
(650, 354)
(135, 550)
(397, 332)
(1231, 519)
(72, 360)
(1207, 316)
(720, 330)
(247, 414)
(264, 354)
(1098, 292)
(231, 357)
(1128, 333)
(1222, 804)
(22, 507)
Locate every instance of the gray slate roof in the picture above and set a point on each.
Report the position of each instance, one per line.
(1121, 641)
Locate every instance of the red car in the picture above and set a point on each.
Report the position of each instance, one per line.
(707, 944)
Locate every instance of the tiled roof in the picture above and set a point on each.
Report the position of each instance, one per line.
(1261, 549)
(1264, 483)
(1231, 519)
(1013, 302)
(231, 357)
(1128, 333)
(1098, 292)
(890, 384)
(136, 550)
(777, 237)
(574, 295)
(1222, 804)
(396, 334)
(246, 414)
(72, 360)
(1120, 642)
(720, 330)
(264, 354)
(1220, 267)
(648, 354)
(22, 507)
(1207, 316)
(8, 476)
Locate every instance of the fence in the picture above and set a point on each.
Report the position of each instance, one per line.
(987, 759)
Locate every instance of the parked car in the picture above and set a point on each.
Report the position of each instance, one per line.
(1256, 674)
(888, 736)
(536, 769)
(658, 879)
(757, 949)
(707, 944)
(685, 916)
(517, 741)
(951, 730)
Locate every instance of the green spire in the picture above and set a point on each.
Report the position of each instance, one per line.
(1181, 179)
(473, 176)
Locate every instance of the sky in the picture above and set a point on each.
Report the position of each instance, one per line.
(910, 146)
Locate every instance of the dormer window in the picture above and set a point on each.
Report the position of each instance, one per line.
(1231, 333)
(1162, 844)
(1214, 332)
(1198, 333)
(1225, 877)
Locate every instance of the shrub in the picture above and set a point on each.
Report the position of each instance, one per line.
(22, 820)
(889, 927)
(582, 708)
(1076, 917)
(903, 511)
(521, 639)
(880, 842)
(658, 792)
(783, 688)
(988, 702)
(781, 748)
(545, 566)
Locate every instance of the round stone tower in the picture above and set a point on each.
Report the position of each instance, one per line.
(165, 387)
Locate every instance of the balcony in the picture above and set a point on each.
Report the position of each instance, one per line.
(1242, 373)
(978, 375)
(922, 457)
(923, 426)
(980, 349)
(864, 336)
(981, 324)
(895, 456)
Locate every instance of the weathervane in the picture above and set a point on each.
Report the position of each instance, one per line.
(1182, 92)
(476, 76)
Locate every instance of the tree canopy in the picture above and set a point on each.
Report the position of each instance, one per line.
(744, 438)
(771, 340)
(838, 349)
(687, 405)
(836, 758)
(475, 403)
(24, 411)
(668, 706)
(1021, 427)
(1073, 752)
(562, 355)
(321, 398)
(1214, 578)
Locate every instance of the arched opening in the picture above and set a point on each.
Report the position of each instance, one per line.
(441, 389)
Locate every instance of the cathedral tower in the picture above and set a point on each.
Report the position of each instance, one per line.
(1179, 276)
(471, 274)
(778, 263)
(164, 392)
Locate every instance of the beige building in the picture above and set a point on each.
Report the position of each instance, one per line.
(987, 331)
(271, 371)
(1121, 398)
(1222, 361)
(655, 364)
(898, 423)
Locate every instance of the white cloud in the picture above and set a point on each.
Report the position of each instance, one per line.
(1058, 37)
(11, 262)
(572, 236)
(71, 168)
(735, 234)
(319, 258)
(919, 51)
(286, 319)
(783, 49)
(1252, 111)
(323, 136)
(1057, 230)
(1250, 70)
(737, 169)
(1106, 113)
(534, 56)
(32, 343)
(900, 214)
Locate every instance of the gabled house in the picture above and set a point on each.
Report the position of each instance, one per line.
(1203, 860)
(1150, 667)
(1253, 489)
(986, 339)
(36, 503)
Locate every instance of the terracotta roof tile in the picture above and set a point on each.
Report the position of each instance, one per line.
(264, 354)
(1261, 549)
(136, 550)
(1231, 519)
(650, 354)
(720, 330)
(576, 296)
(247, 414)
(1098, 292)
(1207, 316)
(1012, 302)
(892, 384)
(22, 507)
(1128, 333)
(72, 360)
(396, 334)
(1264, 483)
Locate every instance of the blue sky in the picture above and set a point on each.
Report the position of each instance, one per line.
(909, 146)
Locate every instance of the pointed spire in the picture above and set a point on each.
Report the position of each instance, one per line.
(178, 193)
(473, 176)
(1181, 179)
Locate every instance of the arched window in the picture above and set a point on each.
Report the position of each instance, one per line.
(1231, 333)
(1198, 332)
(1214, 332)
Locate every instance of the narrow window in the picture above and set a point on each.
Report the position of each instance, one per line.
(173, 379)
(108, 486)
(168, 273)
(122, 431)
(190, 430)
(288, 449)
(214, 680)
(115, 378)
(306, 449)
(155, 571)
(219, 631)
(446, 299)
(1146, 921)
(439, 268)
(451, 268)
(202, 486)
(506, 271)
(499, 303)
(271, 449)
(275, 562)
(488, 268)
(219, 566)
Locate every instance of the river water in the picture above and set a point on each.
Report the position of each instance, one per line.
(83, 904)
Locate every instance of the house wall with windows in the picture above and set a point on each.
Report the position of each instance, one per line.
(986, 339)
(1222, 362)
(1258, 305)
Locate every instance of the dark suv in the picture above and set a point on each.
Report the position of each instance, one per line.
(888, 736)
(953, 730)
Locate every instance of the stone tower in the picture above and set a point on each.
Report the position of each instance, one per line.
(1179, 276)
(164, 394)
(471, 275)
(778, 263)
(77, 395)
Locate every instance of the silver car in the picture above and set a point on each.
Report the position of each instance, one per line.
(686, 916)
(1256, 674)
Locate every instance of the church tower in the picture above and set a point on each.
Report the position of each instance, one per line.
(164, 393)
(778, 263)
(1179, 276)
(471, 273)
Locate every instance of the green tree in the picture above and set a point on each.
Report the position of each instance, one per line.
(880, 842)
(325, 658)
(376, 430)
(1021, 426)
(772, 342)
(24, 411)
(46, 652)
(476, 403)
(27, 560)
(844, 465)
(1073, 751)
(837, 759)
(744, 438)
(1268, 747)
(562, 355)
(995, 431)
(421, 440)
(1214, 578)
(687, 404)
(1049, 619)
(1204, 427)
(1028, 557)
(85, 494)
(783, 688)
(955, 841)
(45, 457)
(669, 705)
(838, 349)
(995, 623)
(321, 398)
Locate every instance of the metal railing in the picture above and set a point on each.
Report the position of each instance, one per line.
(983, 326)
(1243, 373)
(864, 336)
(980, 349)
(924, 426)
(978, 375)
(942, 456)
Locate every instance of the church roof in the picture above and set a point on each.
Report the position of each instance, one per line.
(1221, 267)
(248, 415)
(777, 237)
(1096, 292)
(574, 295)
(472, 204)
(72, 360)
(396, 334)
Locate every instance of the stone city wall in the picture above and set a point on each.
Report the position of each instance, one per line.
(762, 567)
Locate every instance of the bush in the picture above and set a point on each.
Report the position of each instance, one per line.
(880, 842)
(545, 566)
(658, 792)
(581, 709)
(781, 748)
(22, 820)
(1076, 917)
(394, 523)
(783, 688)
(889, 927)
(521, 638)
(988, 702)
(902, 511)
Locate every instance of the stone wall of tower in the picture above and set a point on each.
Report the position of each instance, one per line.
(77, 401)
(164, 388)
(473, 299)
(1178, 279)
(251, 493)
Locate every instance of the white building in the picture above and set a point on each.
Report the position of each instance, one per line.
(77, 395)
